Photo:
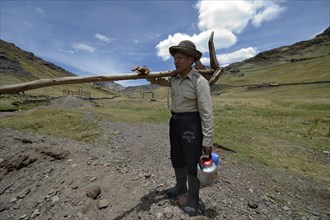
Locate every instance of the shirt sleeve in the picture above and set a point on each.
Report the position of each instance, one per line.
(205, 110)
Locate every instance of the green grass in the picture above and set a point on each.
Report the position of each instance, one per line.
(62, 123)
(279, 133)
(8, 107)
(135, 111)
(7, 103)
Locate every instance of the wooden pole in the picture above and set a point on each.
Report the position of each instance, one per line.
(12, 89)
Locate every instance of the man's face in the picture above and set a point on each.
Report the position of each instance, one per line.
(183, 62)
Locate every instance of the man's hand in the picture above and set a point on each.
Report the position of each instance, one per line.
(207, 150)
(141, 70)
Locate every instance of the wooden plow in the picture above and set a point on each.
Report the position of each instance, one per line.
(212, 74)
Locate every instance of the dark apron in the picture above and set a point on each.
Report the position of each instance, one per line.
(186, 140)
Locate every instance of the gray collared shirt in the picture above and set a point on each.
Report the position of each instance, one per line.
(192, 94)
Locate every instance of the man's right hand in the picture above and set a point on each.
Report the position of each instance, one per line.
(141, 70)
(207, 150)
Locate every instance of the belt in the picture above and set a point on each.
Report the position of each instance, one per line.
(185, 115)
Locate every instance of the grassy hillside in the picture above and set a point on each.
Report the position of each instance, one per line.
(20, 66)
(311, 70)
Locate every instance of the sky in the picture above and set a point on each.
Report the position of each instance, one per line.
(105, 37)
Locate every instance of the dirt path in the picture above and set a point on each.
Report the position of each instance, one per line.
(44, 177)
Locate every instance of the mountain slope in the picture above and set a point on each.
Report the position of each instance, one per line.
(306, 61)
(313, 48)
(17, 66)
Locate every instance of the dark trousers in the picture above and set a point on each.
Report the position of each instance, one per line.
(186, 140)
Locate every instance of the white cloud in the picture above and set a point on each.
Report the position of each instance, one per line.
(236, 56)
(235, 15)
(225, 18)
(66, 51)
(83, 47)
(103, 38)
(229, 15)
(155, 36)
(40, 11)
(90, 64)
(95, 65)
(267, 14)
(222, 39)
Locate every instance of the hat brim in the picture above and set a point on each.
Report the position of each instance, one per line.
(191, 52)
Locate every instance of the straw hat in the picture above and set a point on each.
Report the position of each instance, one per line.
(186, 47)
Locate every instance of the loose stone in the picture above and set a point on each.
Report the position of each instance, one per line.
(93, 191)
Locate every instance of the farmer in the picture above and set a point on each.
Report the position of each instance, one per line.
(191, 124)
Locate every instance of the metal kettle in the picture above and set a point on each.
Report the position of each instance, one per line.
(207, 170)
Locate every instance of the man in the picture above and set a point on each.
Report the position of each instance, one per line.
(191, 124)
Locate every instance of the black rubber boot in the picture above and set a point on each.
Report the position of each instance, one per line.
(181, 183)
(193, 196)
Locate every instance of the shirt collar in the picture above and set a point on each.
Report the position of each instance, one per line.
(190, 74)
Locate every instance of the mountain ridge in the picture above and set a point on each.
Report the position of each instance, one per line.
(289, 53)
(14, 60)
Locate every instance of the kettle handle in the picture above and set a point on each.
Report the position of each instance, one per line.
(206, 156)
(199, 164)
(202, 157)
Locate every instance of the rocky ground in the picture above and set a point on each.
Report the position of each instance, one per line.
(45, 177)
